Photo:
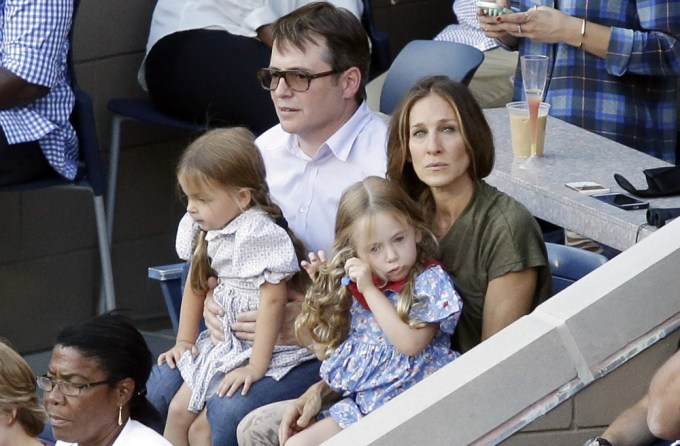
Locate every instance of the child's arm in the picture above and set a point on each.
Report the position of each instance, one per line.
(190, 313)
(409, 341)
(269, 321)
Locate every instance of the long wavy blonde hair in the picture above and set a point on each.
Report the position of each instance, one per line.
(325, 317)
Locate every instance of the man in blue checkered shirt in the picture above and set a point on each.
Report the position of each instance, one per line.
(36, 138)
(614, 64)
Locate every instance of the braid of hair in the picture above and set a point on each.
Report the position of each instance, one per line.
(201, 270)
(325, 317)
(262, 199)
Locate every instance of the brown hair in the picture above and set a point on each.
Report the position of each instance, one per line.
(322, 23)
(474, 129)
(18, 390)
(229, 157)
(325, 317)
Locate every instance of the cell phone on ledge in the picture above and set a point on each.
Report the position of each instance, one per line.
(623, 201)
(588, 187)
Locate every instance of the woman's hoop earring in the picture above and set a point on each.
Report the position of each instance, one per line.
(120, 415)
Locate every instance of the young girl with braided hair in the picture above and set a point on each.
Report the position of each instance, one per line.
(232, 230)
(381, 312)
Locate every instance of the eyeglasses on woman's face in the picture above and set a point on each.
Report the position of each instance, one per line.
(67, 388)
(297, 80)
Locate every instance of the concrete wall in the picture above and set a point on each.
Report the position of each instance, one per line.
(541, 363)
(49, 261)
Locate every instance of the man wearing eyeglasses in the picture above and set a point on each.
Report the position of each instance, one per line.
(327, 139)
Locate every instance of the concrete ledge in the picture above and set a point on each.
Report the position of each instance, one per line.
(541, 360)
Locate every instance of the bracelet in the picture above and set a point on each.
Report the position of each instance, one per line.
(583, 32)
(597, 441)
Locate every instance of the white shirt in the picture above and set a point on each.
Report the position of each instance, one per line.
(133, 434)
(308, 189)
(238, 17)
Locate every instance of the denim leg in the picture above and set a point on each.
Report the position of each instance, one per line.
(161, 387)
(224, 414)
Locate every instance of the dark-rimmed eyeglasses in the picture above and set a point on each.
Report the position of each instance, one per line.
(66, 387)
(297, 80)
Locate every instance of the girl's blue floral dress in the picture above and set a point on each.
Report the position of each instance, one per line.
(369, 371)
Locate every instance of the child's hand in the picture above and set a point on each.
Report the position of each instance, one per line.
(246, 376)
(173, 355)
(360, 273)
(315, 261)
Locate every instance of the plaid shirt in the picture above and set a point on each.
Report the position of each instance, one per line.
(631, 96)
(34, 46)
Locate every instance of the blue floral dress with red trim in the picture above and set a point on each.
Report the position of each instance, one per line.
(369, 371)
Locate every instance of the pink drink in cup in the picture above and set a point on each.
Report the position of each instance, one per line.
(534, 100)
(521, 131)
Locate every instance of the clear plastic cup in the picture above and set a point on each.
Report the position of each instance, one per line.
(520, 128)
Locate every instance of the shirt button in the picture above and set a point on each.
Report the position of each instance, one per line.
(303, 209)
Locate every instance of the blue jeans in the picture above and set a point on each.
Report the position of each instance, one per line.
(225, 413)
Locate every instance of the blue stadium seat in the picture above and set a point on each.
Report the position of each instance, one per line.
(569, 264)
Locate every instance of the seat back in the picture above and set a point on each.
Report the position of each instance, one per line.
(569, 264)
(420, 58)
(381, 56)
(82, 119)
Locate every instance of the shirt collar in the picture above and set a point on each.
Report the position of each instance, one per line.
(340, 143)
(233, 226)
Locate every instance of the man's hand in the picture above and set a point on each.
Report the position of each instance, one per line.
(244, 327)
(212, 312)
(264, 33)
(301, 413)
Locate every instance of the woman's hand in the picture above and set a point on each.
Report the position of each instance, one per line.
(542, 24)
(173, 355)
(493, 29)
(243, 376)
(315, 261)
(360, 273)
